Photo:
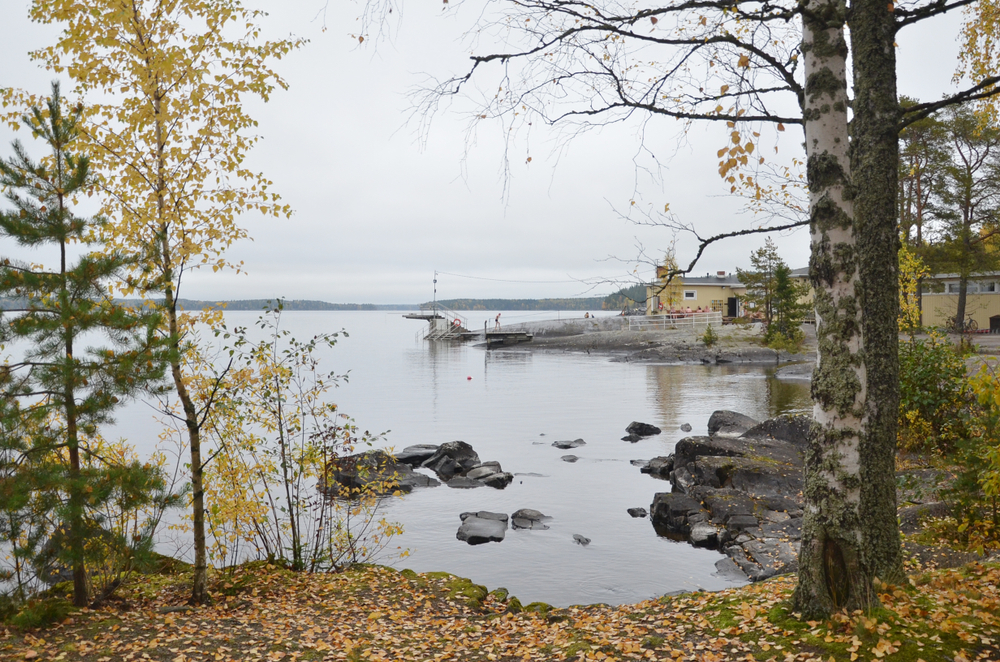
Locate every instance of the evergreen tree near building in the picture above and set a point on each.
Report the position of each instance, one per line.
(774, 295)
(967, 205)
(57, 482)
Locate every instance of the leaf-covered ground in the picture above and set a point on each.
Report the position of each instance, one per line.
(374, 613)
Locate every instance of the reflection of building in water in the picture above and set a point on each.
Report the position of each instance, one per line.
(438, 352)
(426, 359)
(788, 396)
(513, 357)
(689, 393)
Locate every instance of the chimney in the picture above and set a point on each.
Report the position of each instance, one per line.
(720, 274)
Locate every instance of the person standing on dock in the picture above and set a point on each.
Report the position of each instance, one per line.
(497, 327)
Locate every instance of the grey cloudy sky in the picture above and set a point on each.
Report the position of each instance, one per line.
(377, 210)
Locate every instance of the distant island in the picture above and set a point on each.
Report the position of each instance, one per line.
(630, 297)
(624, 298)
(293, 304)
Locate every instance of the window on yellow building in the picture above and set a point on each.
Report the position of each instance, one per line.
(716, 305)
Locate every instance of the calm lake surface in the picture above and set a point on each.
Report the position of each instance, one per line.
(515, 405)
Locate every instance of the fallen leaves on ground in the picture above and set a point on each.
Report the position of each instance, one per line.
(374, 613)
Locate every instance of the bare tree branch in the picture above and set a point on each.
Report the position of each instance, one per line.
(984, 90)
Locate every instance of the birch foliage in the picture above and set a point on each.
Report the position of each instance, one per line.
(166, 80)
(165, 127)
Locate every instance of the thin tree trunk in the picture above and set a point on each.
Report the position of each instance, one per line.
(199, 587)
(875, 175)
(77, 532)
(963, 296)
(831, 566)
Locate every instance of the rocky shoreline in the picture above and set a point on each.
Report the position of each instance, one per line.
(736, 489)
(739, 490)
(610, 337)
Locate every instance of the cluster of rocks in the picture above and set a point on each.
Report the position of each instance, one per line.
(484, 526)
(455, 463)
(739, 490)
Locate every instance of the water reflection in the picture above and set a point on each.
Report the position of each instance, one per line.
(682, 393)
(788, 396)
(507, 357)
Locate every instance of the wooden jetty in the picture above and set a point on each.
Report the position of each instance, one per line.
(443, 324)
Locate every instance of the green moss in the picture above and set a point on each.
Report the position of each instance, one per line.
(236, 580)
(500, 594)
(42, 613)
(461, 588)
(161, 564)
(651, 642)
(823, 171)
(409, 574)
(823, 82)
(576, 648)
(514, 606)
(538, 608)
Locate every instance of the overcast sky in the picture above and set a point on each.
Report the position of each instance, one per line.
(377, 210)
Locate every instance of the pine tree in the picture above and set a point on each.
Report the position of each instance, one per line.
(59, 392)
(774, 294)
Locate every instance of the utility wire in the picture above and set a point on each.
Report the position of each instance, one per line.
(505, 280)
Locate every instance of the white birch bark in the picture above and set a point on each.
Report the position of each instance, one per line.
(830, 563)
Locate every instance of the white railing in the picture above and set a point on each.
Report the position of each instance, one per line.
(668, 321)
(455, 325)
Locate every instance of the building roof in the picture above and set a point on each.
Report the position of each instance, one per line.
(729, 279)
(982, 274)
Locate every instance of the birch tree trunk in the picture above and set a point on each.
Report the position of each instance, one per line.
(831, 562)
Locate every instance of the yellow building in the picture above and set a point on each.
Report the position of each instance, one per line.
(719, 293)
(939, 300)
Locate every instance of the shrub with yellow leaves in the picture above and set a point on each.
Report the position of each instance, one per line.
(274, 435)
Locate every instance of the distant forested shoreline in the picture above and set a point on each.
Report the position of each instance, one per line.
(624, 298)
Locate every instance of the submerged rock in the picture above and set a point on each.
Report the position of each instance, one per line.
(566, 445)
(581, 540)
(482, 527)
(659, 467)
(375, 471)
(498, 480)
(527, 518)
(642, 429)
(464, 483)
(637, 512)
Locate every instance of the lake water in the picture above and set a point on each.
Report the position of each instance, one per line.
(515, 405)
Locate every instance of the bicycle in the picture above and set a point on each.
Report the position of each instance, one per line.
(970, 325)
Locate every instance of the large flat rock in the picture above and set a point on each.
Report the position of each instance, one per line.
(374, 470)
(482, 527)
(739, 490)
